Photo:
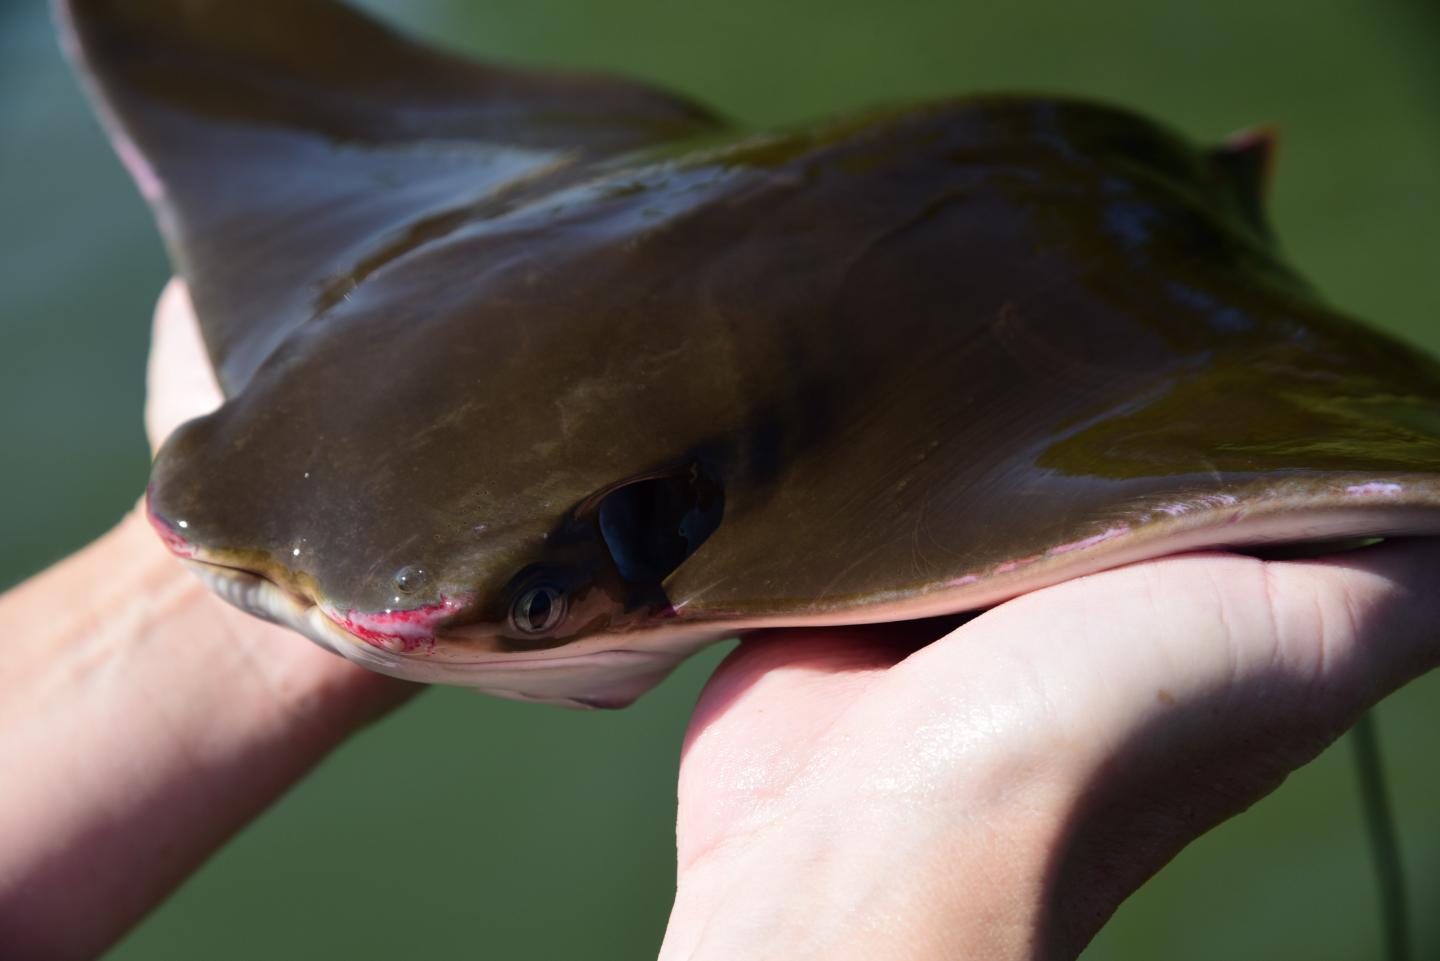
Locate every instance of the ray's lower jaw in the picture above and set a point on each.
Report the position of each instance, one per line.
(408, 645)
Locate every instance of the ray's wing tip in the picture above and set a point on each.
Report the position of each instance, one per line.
(68, 31)
(62, 15)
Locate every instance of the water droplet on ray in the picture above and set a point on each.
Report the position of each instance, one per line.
(410, 579)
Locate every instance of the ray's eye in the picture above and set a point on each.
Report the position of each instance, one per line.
(538, 610)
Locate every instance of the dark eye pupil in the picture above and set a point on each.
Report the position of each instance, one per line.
(538, 609)
(540, 604)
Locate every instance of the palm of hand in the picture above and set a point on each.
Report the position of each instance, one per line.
(1067, 743)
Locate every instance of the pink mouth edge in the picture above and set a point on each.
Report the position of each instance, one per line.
(170, 536)
(1368, 490)
(398, 631)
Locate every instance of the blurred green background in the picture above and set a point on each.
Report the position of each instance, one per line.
(466, 826)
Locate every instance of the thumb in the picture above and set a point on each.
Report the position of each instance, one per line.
(180, 383)
(1324, 637)
(1183, 690)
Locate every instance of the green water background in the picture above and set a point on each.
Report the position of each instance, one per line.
(471, 827)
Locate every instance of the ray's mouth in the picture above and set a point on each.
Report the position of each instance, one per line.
(410, 644)
(392, 630)
(404, 631)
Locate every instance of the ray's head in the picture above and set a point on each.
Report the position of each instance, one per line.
(519, 589)
(293, 152)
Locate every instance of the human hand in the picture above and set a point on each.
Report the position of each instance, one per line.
(1000, 791)
(151, 720)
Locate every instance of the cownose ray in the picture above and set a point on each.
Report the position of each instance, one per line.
(536, 382)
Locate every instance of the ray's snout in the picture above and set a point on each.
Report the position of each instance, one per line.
(171, 533)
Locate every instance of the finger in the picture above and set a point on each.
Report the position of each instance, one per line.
(778, 673)
(180, 381)
(766, 706)
(1381, 626)
(1183, 690)
(797, 679)
(1320, 638)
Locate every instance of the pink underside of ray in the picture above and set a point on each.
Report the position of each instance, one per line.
(1215, 521)
(140, 170)
(1375, 489)
(1080, 545)
(1371, 490)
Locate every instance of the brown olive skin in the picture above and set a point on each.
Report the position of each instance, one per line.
(454, 308)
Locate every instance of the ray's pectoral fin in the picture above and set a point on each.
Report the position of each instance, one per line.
(287, 145)
(1246, 161)
(652, 524)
